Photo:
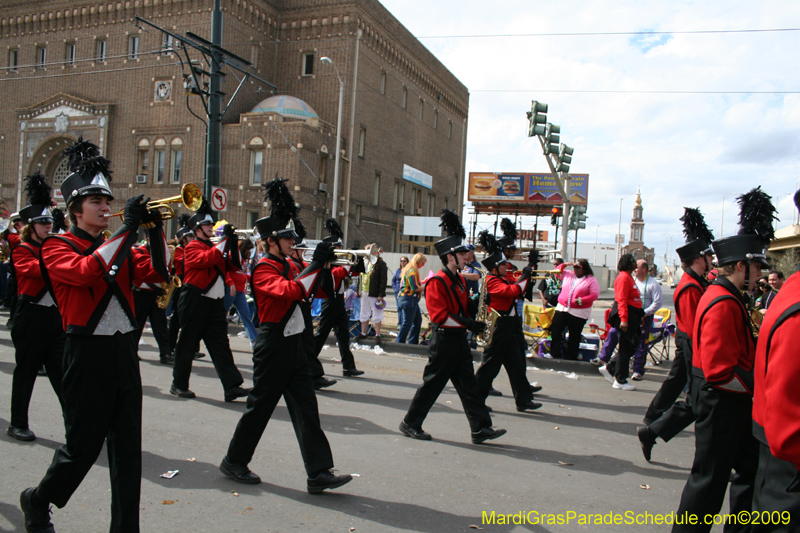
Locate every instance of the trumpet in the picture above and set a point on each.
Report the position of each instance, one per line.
(191, 197)
(539, 274)
(347, 257)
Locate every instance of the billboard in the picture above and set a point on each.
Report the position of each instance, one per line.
(542, 189)
(494, 187)
(422, 226)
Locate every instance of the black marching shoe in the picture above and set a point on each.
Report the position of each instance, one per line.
(535, 388)
(181, 393)
(239, 473)
(528, 406)
(37, 520)
(167, 359)
(647, 439)
(327, 480)
(199, 355)
(414, 433)
(352, 372)
(42, 372)
(237, 392)
(23, 434)
(495, 392)
(323, 383)
(487, 434)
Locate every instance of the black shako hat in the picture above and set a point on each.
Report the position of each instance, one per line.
(283, 211)
(756, 214)
(494, 251)
(509, 234)
(90, 173)
(335, 233)
(698, 236)
(454, 242)
(39, 201)
(183, 226)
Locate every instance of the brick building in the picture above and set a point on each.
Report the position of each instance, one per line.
(84, 68)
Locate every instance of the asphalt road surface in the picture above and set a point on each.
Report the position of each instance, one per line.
(578, 454)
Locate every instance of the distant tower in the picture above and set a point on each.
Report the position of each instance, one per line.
(636, 243)
(637, 222)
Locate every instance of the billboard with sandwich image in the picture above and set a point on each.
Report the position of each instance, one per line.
(490, 186)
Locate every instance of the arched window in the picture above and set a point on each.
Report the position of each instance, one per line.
(160, 160)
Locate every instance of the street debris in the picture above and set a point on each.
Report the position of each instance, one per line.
(169, 474)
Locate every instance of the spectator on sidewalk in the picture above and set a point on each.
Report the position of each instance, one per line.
(579, 290)
(650, 290)
(408, 313)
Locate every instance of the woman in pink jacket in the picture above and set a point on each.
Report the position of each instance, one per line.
(579, 290)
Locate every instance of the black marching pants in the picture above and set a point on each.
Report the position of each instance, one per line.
(102, 392)
(449, 359)
(333, 316)
(38, 336)
(770, 496)
(505, 351)
(146, 307)
(203, 319)
(680, 415)
(723, 442)
(175, 320)
(561, 321)
(280, 369)
(619, 365)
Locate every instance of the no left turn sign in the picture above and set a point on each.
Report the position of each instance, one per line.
(219, 199)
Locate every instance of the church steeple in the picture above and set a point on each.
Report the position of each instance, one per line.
(637, 222)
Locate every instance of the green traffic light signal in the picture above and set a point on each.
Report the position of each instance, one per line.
(551, 138)
(537, 117)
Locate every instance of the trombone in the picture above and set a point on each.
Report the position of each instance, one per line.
(191, 197)
(539, 274)
(348, 257)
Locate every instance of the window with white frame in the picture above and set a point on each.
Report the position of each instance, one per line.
(101, 49)
(69, 54)
(143, 157)
(435, 119)
(41, 56)
(133, 47)
(160, 160)
(358, 214)
(376, 194)
(167, 45)
(383, 82)
(13, 59)
(176, 161)
(252, 216)
(421, 109)
(362, 141)
(256, 161)
(308, 64)
(318, 228)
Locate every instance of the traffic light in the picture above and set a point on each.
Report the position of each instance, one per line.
(537, 117)
(577, 217)
(551, 139)
(556, 214)
(564, 158)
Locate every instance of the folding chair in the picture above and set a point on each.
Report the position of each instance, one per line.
(658, 341)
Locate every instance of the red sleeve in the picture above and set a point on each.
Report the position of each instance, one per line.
(269, 283)
(143, 268)
(25, 263)
(13, 240)
(621, 290)
(722, 341)
(200, 256)
(688, 302)
(339, 273)
(67, 267)
(497, 287)
(437, 301)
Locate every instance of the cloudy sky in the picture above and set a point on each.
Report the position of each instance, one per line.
(692, 118)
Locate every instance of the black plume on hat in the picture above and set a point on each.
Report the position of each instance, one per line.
(489, 243)
(183, 220)
(38, 190)
(300, 229)
(334, 229)
(509, 229)
(281, 202)
(452, 224)
(59, 221)
(84, 158)
(756, 214)
(694, 226)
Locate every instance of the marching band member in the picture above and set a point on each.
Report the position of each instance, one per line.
(90, 279)
(723, 351)
(333, 315)
(696, 256)
(280, 360)
(145, 298)
(504, 349)
(450, 358)
(201, 310)
(13, 240)
(509, 246)
(776, 405)
(38, 333)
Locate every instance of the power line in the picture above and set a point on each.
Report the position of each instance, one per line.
(624, 91)
(602, 33)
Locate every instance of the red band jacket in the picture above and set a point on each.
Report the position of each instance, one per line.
(776, 401)
(91, 279)
(722, 341)
(178, 262)
(338, 274)
(446, 299)
(205, 266)
(141, 255)
(687, 295)
(277, 285)
(13, 240)
(30, 283)
(503, 293)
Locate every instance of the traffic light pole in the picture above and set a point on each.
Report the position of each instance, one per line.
(214, 144)
(562, 181)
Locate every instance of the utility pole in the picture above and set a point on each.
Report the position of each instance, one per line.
(214, 144)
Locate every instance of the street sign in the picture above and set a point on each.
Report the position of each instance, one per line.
(219, 199)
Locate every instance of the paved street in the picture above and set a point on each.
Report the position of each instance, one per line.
(579, 454)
